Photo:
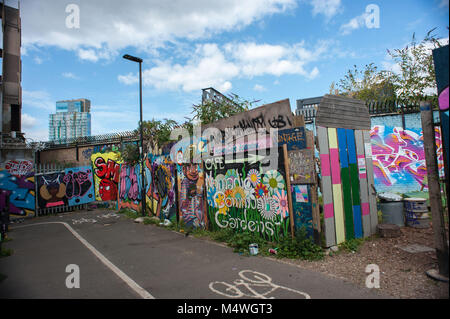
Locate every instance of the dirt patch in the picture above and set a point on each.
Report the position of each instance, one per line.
(402, 273)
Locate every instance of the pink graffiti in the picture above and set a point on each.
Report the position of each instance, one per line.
(399, 154)
(19, 168)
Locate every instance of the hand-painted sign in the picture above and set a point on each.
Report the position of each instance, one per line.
(294, 138)
(301, 166)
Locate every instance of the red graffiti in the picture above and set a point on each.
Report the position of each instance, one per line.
(110, 170)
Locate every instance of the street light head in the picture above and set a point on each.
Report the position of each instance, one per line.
(132, 58)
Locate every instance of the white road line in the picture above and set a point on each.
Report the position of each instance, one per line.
(130, 282)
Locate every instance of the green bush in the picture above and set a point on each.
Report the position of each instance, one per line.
(352, 245)
(300, 247)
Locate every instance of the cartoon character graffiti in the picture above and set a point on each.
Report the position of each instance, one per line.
(191, 195)
(52, 190)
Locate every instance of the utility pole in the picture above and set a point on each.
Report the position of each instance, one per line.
(434, 191)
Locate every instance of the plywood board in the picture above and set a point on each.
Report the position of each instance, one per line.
(326, 189)
(346, 188)
(371, 183)
(338, 203)
(362, 170)
(354, 180)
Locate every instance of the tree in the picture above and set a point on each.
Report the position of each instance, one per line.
(367, 85)
(210, 111)
(412, 78)
(416, 79)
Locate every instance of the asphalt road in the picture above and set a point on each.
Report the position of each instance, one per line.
(120, 259)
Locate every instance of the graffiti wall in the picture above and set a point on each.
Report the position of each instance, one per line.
(399, 159)
(106, 168)
(52, 190)
(161, 189)
(17, 187)
(245, 197)
(190, 189)
(79, 183)
(130, 187)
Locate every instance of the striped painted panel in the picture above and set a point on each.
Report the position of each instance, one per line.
(346, 188)
(354, 180)
(338, 204)
(362, 170)
(371, 183)
(327, 191)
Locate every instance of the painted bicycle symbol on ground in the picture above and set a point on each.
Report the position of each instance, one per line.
(251, 284)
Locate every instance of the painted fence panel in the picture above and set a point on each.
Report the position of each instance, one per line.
(52, 190)
(354, 180)
(302, 206)
(190, 189)
(246, 197)
(79, 185)
(130, 187)
(337, 187)
(327, 191)
(17, 186)
(363, 186)
(161, 187)
(346, 187)
(106, 167)
(371, 183)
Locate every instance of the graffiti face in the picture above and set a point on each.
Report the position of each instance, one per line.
(191, 171)
(191, 195)
(107, 190)
(52, 190)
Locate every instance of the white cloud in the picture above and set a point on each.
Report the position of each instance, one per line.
(214, 66)
(354, 24)
(38, 60)
(259, 88)
(107, 26)
(38, 99)
(70, 75)
(28, 121)
(328, 8)
(443, 4)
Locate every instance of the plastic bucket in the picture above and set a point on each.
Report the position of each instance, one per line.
(253, 248)
(416, 213)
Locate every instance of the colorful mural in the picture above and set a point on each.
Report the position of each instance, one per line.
(79, 185)
(106, 167)
(130, 187)
(399, 159)
(17, 188)
(51, 190)
(161, 172)
(243, 196)
(190, 189)
(302, 206)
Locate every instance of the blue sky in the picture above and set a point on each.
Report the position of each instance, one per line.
(264, 50)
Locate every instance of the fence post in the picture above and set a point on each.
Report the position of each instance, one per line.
(440, 237)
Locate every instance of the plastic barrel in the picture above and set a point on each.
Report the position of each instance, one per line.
(416, 213)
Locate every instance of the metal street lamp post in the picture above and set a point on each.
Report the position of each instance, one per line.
(141, 155)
